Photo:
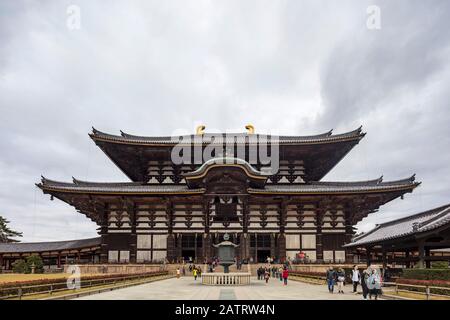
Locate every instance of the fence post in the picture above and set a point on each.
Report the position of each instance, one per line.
(19, 293)
(427, 289)
(51, 289)
(396, 288)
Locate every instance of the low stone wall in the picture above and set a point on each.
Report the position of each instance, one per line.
(226, 279)
(323, 267)
(118, 268)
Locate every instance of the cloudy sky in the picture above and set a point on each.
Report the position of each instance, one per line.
(155, 67)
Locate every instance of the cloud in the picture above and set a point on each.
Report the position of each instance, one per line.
(153, 67)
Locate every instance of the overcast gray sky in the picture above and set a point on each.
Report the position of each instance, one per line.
(154, 67)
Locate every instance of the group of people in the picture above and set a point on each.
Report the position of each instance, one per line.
(196, 271)
(370, 280)
(281, 273)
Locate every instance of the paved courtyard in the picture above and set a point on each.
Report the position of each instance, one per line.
(186, 288)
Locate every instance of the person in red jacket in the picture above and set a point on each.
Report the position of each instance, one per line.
(285, 275)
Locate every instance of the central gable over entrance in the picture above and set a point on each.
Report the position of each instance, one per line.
(226, 175)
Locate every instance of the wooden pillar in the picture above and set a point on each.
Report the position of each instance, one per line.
(407, 262)
(282, 236)
(1, 263)
(427, 258)
(131, 210)
(78, 256)
(384, 258)
(282, 247)
(59, 259)
(245, 246)
(272, 245)
(421, 249)
(368, 256)
(171, 249)
(206, 246)
(256, 248)
(179, 246)
(104, 236)
(320, 212)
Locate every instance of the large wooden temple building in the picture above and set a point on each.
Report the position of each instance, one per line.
(170, 210)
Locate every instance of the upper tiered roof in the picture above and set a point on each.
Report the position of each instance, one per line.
(320, 153)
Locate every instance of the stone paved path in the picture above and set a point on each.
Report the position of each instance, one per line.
(187, 289)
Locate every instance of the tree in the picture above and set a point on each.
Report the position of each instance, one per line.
(6, 233)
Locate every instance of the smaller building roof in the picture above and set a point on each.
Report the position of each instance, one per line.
(34, 247)
(404, 227)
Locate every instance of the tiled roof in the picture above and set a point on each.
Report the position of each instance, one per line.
(313, 187)
(48, 246)
(341, 187)
(407, 226)
(221, 138)
(113, 187)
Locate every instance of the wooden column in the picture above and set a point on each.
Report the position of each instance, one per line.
(171, 250)
(131, 210)
(272, 245)
(384, 258)
(368, 256)
(421, 249)
(59, 259)
(206, 246)
(1, 263)
(427, 256)
(282, 236)
(171, 242)
(407, 262)
(320, 212)
(104, 236)
(245, 246)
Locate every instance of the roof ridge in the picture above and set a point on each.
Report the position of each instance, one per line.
(357, 133)
(415, 215)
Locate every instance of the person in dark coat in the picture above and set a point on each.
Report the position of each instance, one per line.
(364, 279)
(331, 278)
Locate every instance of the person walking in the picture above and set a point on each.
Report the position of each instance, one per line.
(178, 273)
(356, 278)
(331, 278)
(374, 284)
(340, 280)
(194, 272)
(280, 273)
(267, 275)
(285, 276)
(364, 280)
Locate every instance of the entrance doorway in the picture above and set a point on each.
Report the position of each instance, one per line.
(188, 255)
(262, 255)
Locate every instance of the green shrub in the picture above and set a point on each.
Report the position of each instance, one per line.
(426, 274)
(37, 262)
(20, 266)
(439, 264)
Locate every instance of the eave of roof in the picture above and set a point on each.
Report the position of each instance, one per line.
(403, 227)
(372, 186)
(31, 247)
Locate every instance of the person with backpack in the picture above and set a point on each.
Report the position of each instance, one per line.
(340, 276)
(285, 276)
(331, 278)
(374, 284)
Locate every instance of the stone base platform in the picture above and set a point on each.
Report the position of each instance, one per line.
(226, 279)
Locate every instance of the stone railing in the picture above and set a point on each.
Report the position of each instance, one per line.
(226, 279)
